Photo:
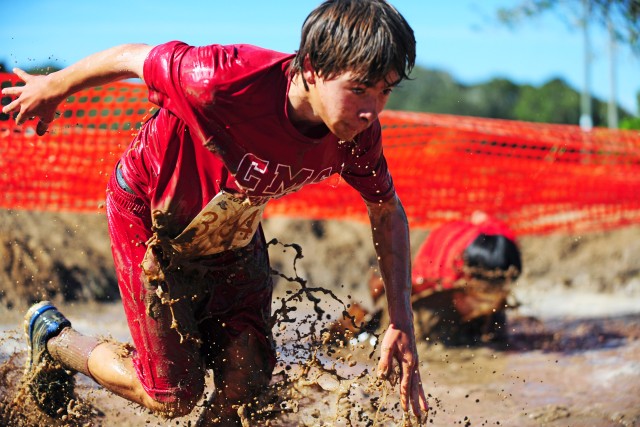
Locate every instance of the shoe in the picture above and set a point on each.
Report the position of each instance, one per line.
(50, 384)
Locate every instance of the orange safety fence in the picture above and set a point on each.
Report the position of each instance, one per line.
(539, 178)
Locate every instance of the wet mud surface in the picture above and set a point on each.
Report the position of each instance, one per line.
(571, 356)
(550, 372)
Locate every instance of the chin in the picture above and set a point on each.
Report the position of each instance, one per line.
(346, 135)
(346, 138)
(343, 132)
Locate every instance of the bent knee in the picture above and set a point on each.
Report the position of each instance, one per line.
(179, 407)
(176, 401)
(176, 409)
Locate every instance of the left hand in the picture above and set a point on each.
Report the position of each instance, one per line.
(39, 97)
(400, 345)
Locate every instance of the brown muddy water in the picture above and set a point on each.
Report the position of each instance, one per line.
(557, 368)
(572, 357)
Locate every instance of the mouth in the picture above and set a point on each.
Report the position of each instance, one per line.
(349, 132)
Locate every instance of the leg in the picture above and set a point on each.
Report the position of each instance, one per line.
(161, 372)
(242, 371)
(435, 318)
(238, 345)
(56, 351)
(112, 366)
(245, 369)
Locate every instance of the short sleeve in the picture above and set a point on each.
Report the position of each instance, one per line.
(186, 80)
(181, 76)
(194, 82)
(366, 170)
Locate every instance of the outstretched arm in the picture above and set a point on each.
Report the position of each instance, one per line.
(391, 239)
(41, 95)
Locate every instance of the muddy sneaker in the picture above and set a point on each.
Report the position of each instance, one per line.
(50, 384)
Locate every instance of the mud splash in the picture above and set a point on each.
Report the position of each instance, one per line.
(321, 378)
(17, 405)
(556, 368)
(315, 361)
(554, 372)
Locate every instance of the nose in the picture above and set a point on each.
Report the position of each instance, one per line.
(367, 116)
(369, 111)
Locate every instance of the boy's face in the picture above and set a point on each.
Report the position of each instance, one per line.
(346, 105)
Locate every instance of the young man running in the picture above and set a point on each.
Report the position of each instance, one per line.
(238, 125)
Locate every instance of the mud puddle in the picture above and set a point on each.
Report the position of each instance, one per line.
(552, 371)
(559, 367)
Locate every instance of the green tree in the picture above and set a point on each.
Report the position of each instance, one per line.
(630, 122)
(495, 99)
(554, 102)
(429, 91)
(438, 92)
(621, 18)
(623, 15)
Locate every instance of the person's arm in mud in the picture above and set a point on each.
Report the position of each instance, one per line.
(41, 95)
(390, 231)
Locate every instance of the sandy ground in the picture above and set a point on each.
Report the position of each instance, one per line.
(572, 357)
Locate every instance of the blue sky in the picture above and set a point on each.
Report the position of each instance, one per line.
(458, 36)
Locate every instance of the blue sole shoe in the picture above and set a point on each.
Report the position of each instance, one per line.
(50, 384)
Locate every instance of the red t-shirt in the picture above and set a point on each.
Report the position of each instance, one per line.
(223, 125)
(439, 261)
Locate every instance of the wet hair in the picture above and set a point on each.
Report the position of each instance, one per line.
(370, 38)
(493, 258)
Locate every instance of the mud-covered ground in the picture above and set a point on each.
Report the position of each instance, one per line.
(572, 357)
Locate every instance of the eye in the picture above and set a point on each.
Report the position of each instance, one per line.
(357, 90)
(387, 91)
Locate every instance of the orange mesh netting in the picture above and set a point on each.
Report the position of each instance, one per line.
(67, 169)
(538, 178)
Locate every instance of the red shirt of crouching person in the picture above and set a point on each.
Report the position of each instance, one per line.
(462, 274)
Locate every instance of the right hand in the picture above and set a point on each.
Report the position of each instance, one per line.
(39, 97)
(400, 345)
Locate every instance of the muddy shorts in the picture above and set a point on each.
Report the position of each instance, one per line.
(176, 340)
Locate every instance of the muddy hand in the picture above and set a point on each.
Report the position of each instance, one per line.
(400, 346)
(37, 98)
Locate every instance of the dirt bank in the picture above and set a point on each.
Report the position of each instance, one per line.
(67, 257)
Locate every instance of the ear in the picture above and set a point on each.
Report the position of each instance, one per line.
(308, 73)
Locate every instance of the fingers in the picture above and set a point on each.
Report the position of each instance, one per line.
(386, 361)
(22, 74)
(406, 386)
(419, 403)
(411, 390)
(399, 346)
(20, 118)
(13, 90)
(41, 127)
(17, 106)
(43, 123)
(10, 106)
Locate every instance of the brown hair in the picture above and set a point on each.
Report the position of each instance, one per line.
(367, 37)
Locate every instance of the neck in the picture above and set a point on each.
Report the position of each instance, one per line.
(301, 112)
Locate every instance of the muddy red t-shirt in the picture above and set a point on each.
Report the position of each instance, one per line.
(439, 261)
(223, 125)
